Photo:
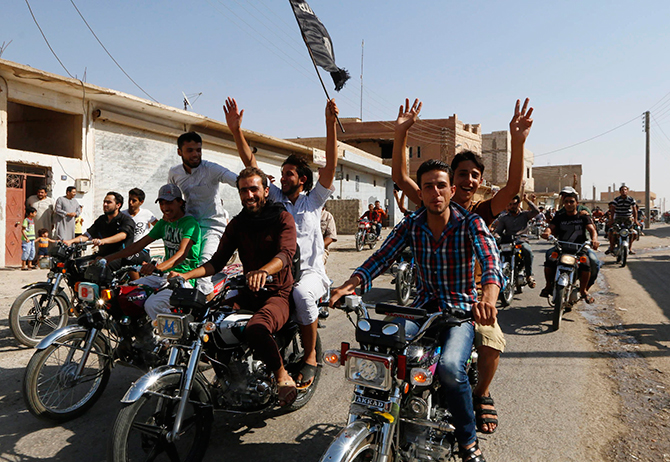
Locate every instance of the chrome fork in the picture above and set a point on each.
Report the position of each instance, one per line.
(196, 349)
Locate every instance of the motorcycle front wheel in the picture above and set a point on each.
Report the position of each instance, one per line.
(507, 293)
(360, 240)
(403, 285)
(141, 428)
(624, 255)
(559, 305)
(51, 387)
(30, 319)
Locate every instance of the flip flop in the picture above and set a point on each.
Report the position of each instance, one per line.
(588, 299)
(286, 393)
(308, 373)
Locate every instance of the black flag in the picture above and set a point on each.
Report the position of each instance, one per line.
(318, 41)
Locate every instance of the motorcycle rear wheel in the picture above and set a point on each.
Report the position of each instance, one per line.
(293, 355)
(50, 389)
(141, 428)
(559, 305)
(26, 321)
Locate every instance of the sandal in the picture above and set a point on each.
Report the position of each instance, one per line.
(308, 372)
(530, 280)
(480, 412)
(286, 393)
(468, 455)
(546, 292)
(631, 251)
(588, 298)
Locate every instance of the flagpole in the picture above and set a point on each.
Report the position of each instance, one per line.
(304, 39)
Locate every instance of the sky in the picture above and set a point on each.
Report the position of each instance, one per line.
(588, 67)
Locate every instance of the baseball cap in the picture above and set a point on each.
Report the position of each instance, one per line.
(568, 190)
(169, 192)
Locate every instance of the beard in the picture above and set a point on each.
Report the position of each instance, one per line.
(256, 207)
(290, 190)
(193, 163)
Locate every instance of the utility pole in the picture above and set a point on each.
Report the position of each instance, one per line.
(647, 215)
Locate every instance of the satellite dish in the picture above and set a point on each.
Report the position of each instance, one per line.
(193, 97)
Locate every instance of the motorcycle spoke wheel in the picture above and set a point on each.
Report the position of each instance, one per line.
(559, 306)
(141, 429)
(403, 286)
(293, 354)
(30, 320)
(51, 387)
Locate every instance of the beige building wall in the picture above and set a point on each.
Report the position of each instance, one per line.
(553, 178)
(497, 153)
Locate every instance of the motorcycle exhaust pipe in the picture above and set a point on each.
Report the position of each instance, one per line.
(441, 426)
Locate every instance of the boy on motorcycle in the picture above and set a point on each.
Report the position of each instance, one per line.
(571, 226)
(512, 224)
(264, 234)
(445, 240)
(182, 241)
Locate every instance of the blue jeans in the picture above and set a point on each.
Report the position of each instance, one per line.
(378, 228)
(452, 373)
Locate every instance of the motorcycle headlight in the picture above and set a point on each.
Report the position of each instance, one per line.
(506, 247)
(623, 232)
(172, 326)
(370, 370)
(568, 260)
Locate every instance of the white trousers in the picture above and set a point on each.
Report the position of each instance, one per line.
(210, 243)
(158, 302)
(306, 294)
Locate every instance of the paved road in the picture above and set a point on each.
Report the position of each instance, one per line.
(558, 393)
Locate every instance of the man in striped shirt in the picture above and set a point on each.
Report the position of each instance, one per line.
(625, 213)
(445, 240)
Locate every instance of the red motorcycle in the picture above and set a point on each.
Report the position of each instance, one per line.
(366, 234)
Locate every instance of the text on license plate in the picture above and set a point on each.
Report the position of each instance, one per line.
(370, 402)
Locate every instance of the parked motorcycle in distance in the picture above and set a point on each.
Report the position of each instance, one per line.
(568, 257)
(365, 235)
(622, 239)
(396, 412)
(513, 268)
(45, 306)
(169, 411)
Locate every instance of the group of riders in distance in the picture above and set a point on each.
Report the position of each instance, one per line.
(277, 236)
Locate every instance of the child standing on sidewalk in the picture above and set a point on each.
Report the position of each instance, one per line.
(28, 239)
(42, 243)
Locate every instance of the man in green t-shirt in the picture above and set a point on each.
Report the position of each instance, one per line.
(182, 240)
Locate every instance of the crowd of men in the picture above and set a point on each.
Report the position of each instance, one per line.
(284, 232)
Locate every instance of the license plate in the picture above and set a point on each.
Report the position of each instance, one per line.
(169, 326)
(370, 402)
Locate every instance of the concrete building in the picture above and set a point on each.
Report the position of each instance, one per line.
(553, 178)
(639, 196)
(496, 152)
(428, 139)
(60, 132)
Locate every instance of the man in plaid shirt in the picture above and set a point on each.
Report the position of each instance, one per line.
(445, 240)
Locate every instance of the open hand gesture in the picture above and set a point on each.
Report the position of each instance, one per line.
(407, 116)
(233, 116)
(520, 124)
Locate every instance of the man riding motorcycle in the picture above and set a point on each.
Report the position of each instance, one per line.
(444, 239)
(571, 226)
(512, 224)
(264, 234)
(626, 214)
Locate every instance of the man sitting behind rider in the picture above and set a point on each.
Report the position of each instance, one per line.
(181, 238)
(445, 240)
(111, 231)
(570, 226)
(264, 234)
(512, 224)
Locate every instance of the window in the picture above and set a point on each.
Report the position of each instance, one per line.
(347, 177)
(358, 183)
(527, 173)
(410, 152)
(418, 152)
(374, 182)
(387, 150)
(44, 131)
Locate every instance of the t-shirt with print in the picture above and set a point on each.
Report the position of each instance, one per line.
(143, 221)
(172, 234)
(571, 228)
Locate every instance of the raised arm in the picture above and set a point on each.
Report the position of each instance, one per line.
(327, 173)
(234, 122)
(519, 128)
(406, 118)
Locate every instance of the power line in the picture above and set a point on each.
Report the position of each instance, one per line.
(108, 53)
(587, 140)
(46, 40)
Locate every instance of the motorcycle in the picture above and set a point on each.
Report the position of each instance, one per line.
(169, 411)
(396, 411)
(44, 307)
(622, 240)
(404, 277)
(568, 256)
(536, 226)
(513, 268)
(366, 234)
(71, 366)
